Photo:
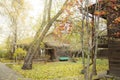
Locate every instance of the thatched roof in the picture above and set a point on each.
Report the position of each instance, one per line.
(57, 44)
(52, 40)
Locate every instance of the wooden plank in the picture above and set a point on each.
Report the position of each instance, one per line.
(114, 65)
(103, 53)
(114, 50)
(113, 53)
(114, 39)
(114, 68)
(114, 62)
(114, 57)
(114, 43)
(110, 56)
(115, 73)
(114, 46)
(102, 45)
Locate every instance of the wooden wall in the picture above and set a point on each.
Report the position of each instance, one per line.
(114, 57)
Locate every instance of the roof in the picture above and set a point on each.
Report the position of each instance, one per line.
(54, 41)
(56, 44)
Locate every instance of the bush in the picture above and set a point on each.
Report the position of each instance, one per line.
(75, 59)
(3, 53)
(19, 54)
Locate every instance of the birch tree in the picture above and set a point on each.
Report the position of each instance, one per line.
(14, 9)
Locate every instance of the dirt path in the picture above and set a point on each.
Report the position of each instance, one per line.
(8, 74)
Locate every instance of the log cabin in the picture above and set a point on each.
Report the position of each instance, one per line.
(110, 11)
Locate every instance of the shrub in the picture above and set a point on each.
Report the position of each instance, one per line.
(75, 59)
(3, 53)
(19, 54)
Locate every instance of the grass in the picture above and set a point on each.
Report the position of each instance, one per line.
(57, 70)
(4, 60)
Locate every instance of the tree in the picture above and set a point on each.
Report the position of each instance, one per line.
(14, 10)
(38, 39)
(19, 54)
(90, 31)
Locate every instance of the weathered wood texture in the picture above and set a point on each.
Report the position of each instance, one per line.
(114, 57)
(113, 29)
(114, 41)
(102, 45)
(103, 53)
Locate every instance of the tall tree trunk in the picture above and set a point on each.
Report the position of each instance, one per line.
(95, 49)
(14, 34)
(14, 43)
(13, 18)
(82, 38)
(49, 10)
(36, 43)
(43, 19)
(87, 70)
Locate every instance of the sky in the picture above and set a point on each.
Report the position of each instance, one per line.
(36, 7)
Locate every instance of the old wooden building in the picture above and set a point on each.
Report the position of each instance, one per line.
(60, 48)
(55, 47)
(110, 11)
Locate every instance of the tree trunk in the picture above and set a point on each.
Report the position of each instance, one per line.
(82, 40)
(36, 43)
(14, 41)
(49, 10)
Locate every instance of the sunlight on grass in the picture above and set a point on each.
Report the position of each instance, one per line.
(3, 60)
(102, 64)
(50, 70)
(57, 70)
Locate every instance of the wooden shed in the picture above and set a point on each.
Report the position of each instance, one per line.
(58, 50)
(110, 10)
(55, 47)
(58, 47)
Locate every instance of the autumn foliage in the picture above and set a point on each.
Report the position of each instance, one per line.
(63, 28)
(116, 35)
(117, 20)
(100, 13)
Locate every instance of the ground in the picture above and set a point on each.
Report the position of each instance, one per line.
(57, 70)
(7, 73)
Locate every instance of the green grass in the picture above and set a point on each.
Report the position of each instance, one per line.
(4, 60)
(57, 70)
(102, 64)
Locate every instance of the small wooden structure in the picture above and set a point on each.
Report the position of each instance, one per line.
(57, 51)
(56, 48)
(110, 10)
